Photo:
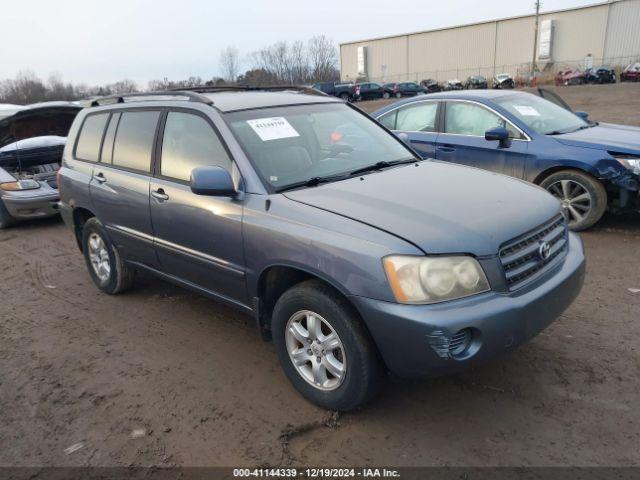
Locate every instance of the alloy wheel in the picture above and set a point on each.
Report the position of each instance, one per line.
(315, 350)
(574, 197)
(99, 257)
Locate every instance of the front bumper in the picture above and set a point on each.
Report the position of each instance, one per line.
(26, 205)
(500, 321)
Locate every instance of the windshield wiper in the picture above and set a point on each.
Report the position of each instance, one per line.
(380, 165)
(311, 182)
(560, 132)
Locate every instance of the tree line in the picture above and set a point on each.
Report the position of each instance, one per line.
(281, 63)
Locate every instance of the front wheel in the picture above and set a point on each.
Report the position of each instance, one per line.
(385, 95)
(107, 270)
(344, 97)
(583, 198)
(324, 349)
(398, 94)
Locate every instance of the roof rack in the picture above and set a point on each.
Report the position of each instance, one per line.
(189, 94)
(250, 88)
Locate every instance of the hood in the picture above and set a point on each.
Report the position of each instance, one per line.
(439, 207)
(45, 119)
(605, 136)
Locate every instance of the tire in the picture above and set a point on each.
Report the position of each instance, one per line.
(101, 253)
(398, 95)
(570, 187)
(385, 95)
(356, 354)
(6, 220)
(344, 97)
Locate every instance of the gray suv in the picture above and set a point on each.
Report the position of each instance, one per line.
(351, 253)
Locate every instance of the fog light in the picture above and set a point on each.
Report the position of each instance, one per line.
(460, 342)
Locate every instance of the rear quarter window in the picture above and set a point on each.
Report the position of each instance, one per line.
(134, 140)
(90, 138)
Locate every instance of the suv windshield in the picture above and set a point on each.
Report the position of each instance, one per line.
(541, 115)
(313, 143)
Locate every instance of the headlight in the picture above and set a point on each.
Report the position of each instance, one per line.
(20, 185)
(630, 162)
(434, 279)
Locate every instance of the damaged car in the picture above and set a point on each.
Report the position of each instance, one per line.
(590, 167)
(503, 80)
(32, 140)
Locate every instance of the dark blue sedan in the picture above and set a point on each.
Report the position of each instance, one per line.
(590, 167)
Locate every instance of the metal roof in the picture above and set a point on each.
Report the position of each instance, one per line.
(452, 27)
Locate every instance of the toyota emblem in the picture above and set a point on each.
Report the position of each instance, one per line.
(544, 250)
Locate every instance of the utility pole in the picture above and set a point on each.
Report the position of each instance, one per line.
(535, 39)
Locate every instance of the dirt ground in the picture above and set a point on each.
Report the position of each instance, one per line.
(162, 376)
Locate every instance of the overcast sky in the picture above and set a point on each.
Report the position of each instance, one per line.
(101, 41)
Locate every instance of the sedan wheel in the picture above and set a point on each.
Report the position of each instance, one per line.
(315, 350)
(385, 95)
(582, 197)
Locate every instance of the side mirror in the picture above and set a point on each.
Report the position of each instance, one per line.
(582, 115)
(499, 134)
(212, 181)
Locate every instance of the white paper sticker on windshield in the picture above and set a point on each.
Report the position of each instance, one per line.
(527, 110)
(273, 128)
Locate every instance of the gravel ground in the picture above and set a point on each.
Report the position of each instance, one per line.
(161, 376)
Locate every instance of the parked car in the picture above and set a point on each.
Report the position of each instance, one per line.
(475, 82)
(373, 91)
(631, 73)
(405, 89)
(453, 84)
(346, 91)
(600, 75)
(352, 254)
(31, 142)
(430, 85)
(569, 77)
(504, 81)
(588, 166)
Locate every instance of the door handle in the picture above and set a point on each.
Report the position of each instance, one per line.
(100, 177)
(159, 194)
(446, 148)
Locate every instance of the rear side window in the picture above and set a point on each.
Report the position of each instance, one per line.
(88, 146)
(419, 117)
(190, 142)
(134, 140)
(107, 146)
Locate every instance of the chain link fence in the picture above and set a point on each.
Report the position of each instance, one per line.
(521, 72)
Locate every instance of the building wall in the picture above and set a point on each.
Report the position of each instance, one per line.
(622, 42)
(607, 32)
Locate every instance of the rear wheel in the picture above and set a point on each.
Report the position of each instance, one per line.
(398, 94)
(385, 95)
(583, 198)
(6, 219)
(323, 347)
(107, 270)
(344, 97)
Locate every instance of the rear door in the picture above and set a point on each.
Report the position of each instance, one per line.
(419, 122)
(462, 139)
(198, 238)
(120, 184)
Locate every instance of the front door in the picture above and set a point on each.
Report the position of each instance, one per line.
(462, 140)
(198, 238)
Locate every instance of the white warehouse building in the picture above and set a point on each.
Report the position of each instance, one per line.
(601, 34)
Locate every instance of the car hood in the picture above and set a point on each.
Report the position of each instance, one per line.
(605, 136)
(38, 120)
(438, 207)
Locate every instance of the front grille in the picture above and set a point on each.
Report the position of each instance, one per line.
(521, 258)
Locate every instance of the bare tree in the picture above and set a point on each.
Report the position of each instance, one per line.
(230, 63)
(323, 56)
